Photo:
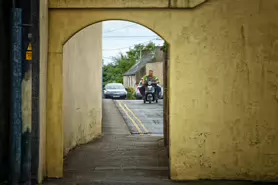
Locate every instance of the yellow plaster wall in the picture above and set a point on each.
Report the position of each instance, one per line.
(223, 85)
(82, 77)
(125, 3)
(43, 85)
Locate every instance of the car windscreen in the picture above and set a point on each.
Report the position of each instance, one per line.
(114, 87)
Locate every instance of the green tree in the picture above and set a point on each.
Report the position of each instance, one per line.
(165, 47)
(113, 72)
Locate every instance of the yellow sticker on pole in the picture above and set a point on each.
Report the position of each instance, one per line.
(29, 47)
(29, 55)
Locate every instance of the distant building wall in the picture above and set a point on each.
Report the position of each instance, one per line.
(140, 74)
(125, 81)
(157, 68)
(133, 81)
(155, 64)
(129, 81)
(82, 107)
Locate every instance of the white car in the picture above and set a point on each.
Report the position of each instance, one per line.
(115, 91)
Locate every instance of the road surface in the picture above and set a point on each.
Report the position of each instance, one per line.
(120, 158)
(143, 119)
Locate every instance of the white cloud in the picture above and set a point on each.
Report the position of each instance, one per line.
(112, 46)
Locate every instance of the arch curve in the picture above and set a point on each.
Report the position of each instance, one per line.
(62, 25)
(100, 21)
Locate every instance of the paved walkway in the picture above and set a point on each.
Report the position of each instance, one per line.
(119, 158)
(116, 158)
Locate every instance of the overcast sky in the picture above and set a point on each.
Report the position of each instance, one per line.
(119, 36)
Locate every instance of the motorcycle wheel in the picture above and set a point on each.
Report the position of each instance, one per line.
(156, 101)
(150, 101)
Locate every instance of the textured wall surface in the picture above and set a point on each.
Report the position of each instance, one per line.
(125, 3)
(82, 75)
(223, 62)
(43, 84)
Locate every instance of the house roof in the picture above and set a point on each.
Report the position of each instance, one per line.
(148, 58)
(139, 65)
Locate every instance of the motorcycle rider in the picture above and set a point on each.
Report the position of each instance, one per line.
(145, 80)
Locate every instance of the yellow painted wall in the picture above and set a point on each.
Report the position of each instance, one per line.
(223, 85)
(124, 3)
(82, 77)
(43, 85)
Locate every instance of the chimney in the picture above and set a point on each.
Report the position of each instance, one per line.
(145, 53)
(159, 54)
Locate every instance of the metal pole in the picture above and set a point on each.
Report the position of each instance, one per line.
(16, 116)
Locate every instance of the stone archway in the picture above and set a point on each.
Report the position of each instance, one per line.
(59, 24)
(214, 58)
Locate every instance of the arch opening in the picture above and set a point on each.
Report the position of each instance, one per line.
(103, 67)
(201, 54)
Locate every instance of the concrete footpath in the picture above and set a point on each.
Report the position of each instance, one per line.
(118, 158)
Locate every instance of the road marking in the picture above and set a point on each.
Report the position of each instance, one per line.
(134, 123)
(143, 126)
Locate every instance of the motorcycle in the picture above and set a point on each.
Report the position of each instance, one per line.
(150, 93)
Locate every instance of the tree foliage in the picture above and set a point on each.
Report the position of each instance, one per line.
(113, 72)
(165, 47)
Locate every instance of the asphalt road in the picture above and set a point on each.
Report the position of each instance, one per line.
(143, 119)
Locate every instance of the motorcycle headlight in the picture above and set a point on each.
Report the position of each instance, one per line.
(150, 83)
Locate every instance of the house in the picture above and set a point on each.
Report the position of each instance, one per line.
(148, 61)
